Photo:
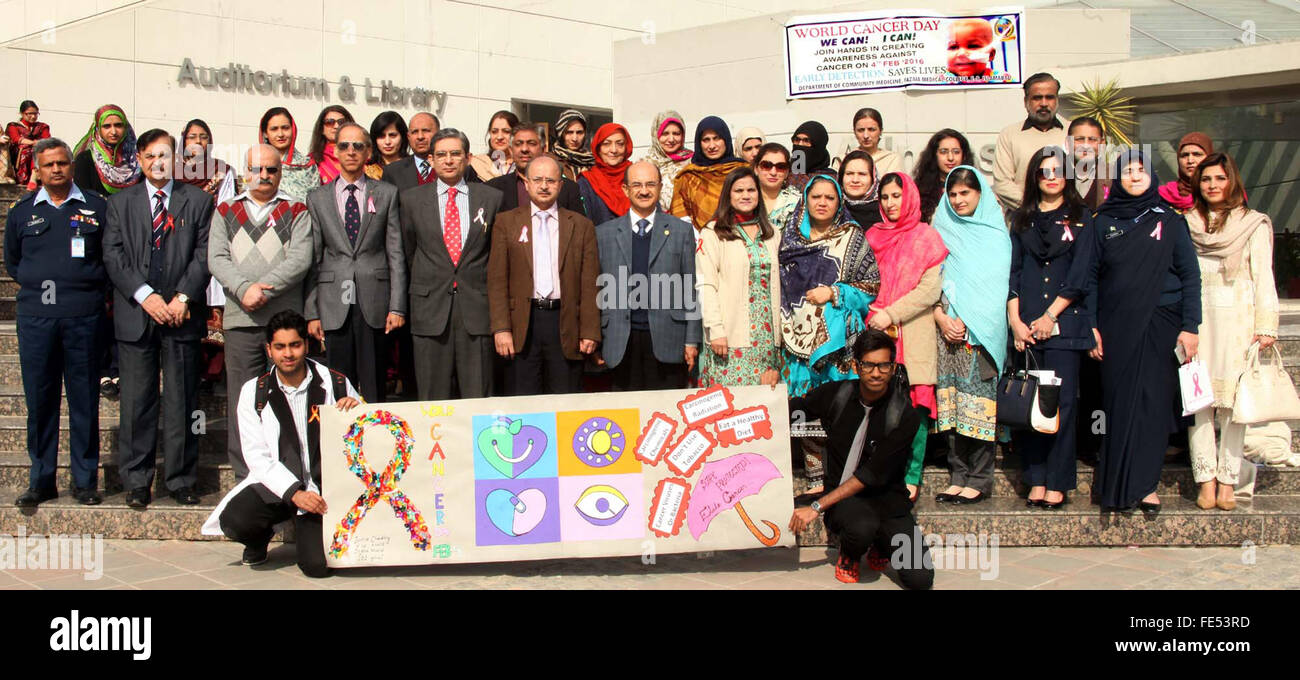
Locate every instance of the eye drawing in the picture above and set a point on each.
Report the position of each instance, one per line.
(601, 505)
(599, 442)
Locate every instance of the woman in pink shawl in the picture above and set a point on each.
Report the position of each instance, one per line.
(909, 253)
(1192, 149)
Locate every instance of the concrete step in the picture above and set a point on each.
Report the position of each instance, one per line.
(13, 435)
(1175, 479)
(214, 472)
(164, 519)
(8, 286)
(13, 402)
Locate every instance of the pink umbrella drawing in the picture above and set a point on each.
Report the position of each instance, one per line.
(723, 484)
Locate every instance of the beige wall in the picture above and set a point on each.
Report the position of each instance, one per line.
(482, 54)
(739, 76)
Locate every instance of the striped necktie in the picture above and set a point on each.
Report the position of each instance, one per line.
(159, 218)
(424, 172)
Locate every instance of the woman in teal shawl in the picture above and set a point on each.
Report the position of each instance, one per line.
(829, 279)
(972, 324)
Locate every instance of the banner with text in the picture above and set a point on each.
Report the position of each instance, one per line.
(574, 475)
(841, 54)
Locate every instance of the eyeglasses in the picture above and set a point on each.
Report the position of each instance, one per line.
(1049, 173)
(448, 154)
(157, 156)
(270, 169)
(335, 122)
(769, 165)
(868, 367)
(354, 146)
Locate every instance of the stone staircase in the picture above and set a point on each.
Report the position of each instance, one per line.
(1272, 518)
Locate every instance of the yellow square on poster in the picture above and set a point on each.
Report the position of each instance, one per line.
(597, 442)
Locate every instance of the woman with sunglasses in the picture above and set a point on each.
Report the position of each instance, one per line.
(1051, 254)
(298, 173)
(772, 164)
(323, 137)
(1148, 288)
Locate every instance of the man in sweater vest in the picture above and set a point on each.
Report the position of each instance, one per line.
(259, 250)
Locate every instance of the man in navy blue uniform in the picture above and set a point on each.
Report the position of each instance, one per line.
(53, 250)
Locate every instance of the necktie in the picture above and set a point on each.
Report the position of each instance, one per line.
(159, 218)
(642, 227)
(451, 227)
(545, 286)
(352, 214)
(424, 171)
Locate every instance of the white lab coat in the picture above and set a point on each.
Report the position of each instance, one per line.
(259, 437)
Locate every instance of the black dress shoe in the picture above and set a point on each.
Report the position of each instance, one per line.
(253, 556)
(34, 497)
(1053, 506)
(185, 496)
(88, 496)
(1031, 503)
(1149, 510)
(962, 500)
(109, 388)
(944, 497)
(138, 498)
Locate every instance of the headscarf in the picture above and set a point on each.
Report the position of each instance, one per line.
(657, 154)
(1232, 239)
(819, 334)
(196, 170)
(582, 159)
(904, 249)
(975, 274)
(607, 180)
(117, 166)
(746, 134)
(818, 157)
(329, 165)
(1181, 194)
(719, 127)
(1122, 205)
(293, 160)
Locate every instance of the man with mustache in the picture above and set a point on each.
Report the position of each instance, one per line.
(156, 254)
(647, 347)
(259, 250)
(1018, 142)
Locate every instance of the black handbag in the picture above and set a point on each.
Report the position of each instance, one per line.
(1025, 403)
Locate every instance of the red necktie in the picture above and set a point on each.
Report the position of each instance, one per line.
(451, 227)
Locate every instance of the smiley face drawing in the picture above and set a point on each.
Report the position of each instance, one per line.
(511, 447)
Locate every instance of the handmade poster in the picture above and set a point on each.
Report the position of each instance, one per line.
(841, 54)
(559, 476)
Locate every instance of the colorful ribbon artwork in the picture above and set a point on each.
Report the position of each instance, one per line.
(380, 487)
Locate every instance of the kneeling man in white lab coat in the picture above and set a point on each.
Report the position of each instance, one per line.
(279, 432)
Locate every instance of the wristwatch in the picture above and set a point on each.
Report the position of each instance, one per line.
(816, 505)
(183, 298)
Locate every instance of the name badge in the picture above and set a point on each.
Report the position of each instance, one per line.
(79, 246)
(35, 221)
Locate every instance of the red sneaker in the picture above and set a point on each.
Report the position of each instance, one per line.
(876, 561)
(846, 570)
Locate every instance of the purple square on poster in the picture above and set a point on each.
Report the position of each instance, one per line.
(516, 511)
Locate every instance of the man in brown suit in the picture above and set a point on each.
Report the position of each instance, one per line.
(542, 287)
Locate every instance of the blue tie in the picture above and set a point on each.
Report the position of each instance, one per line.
(352, 214)
(643, 227)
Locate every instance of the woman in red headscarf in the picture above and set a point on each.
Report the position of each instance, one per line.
(909, 253)
(1192, 149)
(601, 187)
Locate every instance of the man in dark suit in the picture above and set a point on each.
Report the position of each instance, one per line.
(415, 169)
(525, 145)
(156, 254)
(356, 287)
(647, 348)
(542, 287)
(870, 424)
(447, 234)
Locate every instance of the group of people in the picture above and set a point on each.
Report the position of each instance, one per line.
(530, 270)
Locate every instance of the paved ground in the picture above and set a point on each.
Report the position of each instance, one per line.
(215, 565)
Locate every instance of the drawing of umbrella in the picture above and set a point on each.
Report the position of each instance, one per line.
(723, 484)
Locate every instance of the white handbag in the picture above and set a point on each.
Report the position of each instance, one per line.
(1265, 392)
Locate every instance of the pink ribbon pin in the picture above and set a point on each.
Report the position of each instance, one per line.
(370, 204)
(1068, 235)
(523, 235)
(1155, 233)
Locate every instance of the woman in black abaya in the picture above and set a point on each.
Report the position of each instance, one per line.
(1148, 287)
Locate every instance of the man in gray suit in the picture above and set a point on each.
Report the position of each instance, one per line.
(356, 286)
(446, 228)
(156, 254)
(648, 310)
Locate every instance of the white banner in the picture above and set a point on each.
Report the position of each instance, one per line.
(842, 54)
